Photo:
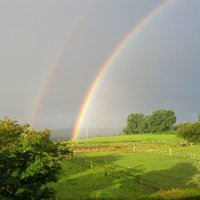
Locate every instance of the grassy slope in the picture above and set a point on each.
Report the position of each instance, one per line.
(126, 139)
(78, 182)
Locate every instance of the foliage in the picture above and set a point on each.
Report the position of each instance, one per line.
(146, 125)
(180, 125)
(159, 121)
(28, 161)
(162, 120)
(190, 132)
(133, 123)
(62, 147)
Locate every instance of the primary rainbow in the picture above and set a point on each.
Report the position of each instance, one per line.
(108, 62)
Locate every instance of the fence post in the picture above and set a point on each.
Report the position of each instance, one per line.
(91, 165)
(170, 151)
(72, 154)
(141, 184)
(105, 170)
(97, 166)
(106, 162)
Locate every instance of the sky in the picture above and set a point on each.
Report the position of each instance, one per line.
(158, 69)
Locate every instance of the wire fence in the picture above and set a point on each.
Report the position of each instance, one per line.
(129, 173)
(137, 145)
(115, 171)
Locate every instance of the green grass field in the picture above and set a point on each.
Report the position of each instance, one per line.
(127, 139)
(166, 169)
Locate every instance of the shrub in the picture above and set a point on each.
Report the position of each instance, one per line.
(182, 124)
(28, 161)
(190, 132)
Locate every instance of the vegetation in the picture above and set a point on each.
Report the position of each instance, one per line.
(134, 166)
(151, 167)
(158, 121)
(190, 132)
(133, 123)
(28, 161)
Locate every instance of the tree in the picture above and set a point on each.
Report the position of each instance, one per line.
(159, 121)
(146, 125)
(28, 161)
(133, 123)
(190, 132)
(162, 120)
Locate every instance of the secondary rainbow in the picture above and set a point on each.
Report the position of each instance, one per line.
(55, 63)
(109, 61)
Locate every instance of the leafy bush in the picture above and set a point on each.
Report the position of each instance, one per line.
(28, 161)
(180, 125)
(190, 132)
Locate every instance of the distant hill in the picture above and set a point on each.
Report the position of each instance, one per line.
(99, 132)
(61, 134)
(85, 132)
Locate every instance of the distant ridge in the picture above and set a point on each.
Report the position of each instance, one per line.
(61, 134)
(85, 132)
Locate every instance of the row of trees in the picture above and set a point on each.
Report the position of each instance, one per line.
(28, 161)
(159, 121)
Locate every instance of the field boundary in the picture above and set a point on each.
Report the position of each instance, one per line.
(119, 172)
(151, 143)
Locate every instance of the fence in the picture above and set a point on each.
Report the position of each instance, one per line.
(130, 173)
(137, 145)
(82, 161)
(115, 171)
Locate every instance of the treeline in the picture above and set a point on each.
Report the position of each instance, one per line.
(159, 121)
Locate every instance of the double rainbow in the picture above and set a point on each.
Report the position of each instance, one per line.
(52, 68)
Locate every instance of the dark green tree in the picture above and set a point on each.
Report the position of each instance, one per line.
(28, 161)
(162, 120)
(146, 125)
(159, 121)
(133, 123)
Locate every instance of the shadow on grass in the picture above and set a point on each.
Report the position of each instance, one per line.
(179, 176)
(104, 159)
(85, 184)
